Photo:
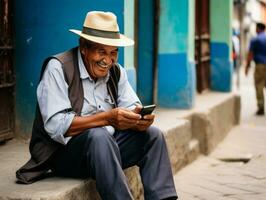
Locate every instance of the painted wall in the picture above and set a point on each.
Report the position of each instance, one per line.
(145, 65)
(221, 34)
(41, 29)
(176, 68)
(129, 17)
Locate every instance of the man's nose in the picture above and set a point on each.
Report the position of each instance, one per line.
(107, 60)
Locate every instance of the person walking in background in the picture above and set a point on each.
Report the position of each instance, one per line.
(257, 52)
(88, 121)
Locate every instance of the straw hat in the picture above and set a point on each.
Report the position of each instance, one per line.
(102, 27)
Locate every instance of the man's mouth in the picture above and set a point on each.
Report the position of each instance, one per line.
(102, 64)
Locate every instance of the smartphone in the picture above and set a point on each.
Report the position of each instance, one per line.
(146, 110)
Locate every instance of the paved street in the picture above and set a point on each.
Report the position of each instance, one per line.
(236, 170)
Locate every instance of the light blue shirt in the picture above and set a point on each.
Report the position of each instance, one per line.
(52, 96)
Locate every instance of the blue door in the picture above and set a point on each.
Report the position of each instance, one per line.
(146, 48)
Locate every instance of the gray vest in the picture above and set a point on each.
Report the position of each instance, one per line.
(42, 147)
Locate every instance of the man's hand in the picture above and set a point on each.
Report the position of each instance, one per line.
(247, 69)
(249, 59)
(122, 118)
(143, 123)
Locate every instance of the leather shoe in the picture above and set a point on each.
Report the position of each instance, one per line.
(260, 111)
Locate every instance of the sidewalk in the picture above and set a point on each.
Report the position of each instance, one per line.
(236, 170)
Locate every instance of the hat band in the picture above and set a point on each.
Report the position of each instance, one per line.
(101, 33)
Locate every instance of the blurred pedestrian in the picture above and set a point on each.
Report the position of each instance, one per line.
(257, 52)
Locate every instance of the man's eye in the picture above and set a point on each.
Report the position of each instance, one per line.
(101, 52)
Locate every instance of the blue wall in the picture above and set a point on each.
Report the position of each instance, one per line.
(41, 29)
(221, 67)
(145, 71)
(129, 31)
(221, 42)
(177, 81)
(176, 69)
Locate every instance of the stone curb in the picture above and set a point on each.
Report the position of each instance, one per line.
(187, 135)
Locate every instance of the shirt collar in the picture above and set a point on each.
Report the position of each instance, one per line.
(83, 71)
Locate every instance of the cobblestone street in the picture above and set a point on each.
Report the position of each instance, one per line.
(236, 169)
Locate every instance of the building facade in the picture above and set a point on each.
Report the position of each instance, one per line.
(162, 66)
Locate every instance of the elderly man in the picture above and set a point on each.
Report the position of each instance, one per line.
(88, 123)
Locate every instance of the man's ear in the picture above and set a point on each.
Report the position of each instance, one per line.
(82, 51)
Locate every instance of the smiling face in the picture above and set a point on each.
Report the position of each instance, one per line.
(98, 58)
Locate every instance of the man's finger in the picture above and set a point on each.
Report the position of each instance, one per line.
(145, 122)
(130, 115)
(128, 121)
(137, 109)
(149, 117)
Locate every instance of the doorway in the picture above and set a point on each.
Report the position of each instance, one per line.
(146, 48)
(7, 77)
(202, 45)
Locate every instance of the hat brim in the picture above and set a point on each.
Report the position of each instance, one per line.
(121, 42)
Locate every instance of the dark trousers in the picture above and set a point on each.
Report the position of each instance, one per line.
(97, 154)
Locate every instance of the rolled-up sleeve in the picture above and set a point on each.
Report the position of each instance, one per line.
(52, 96)
(127, 97)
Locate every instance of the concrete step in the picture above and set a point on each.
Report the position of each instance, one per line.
(183, 130)
(15, 153)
